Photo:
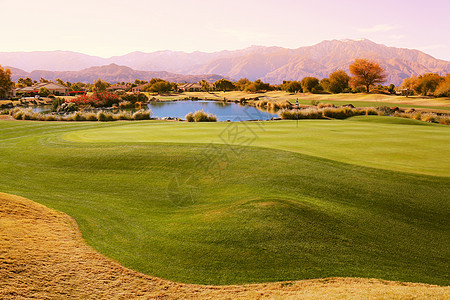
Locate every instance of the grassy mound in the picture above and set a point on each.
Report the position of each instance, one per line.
(257, 215)
(43, 256)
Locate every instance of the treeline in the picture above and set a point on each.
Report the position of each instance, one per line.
(427, 84)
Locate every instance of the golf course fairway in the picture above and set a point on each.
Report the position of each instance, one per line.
(232, 203)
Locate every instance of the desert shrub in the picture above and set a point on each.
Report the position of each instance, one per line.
(323, 105)
(190, 117)
(57, 103)
(91, 117)
(133, 98)
(445, 120)
(126, 104)
(341, 112)
(78, 116)
(98, 99)
(200, 116)
(429, 117)
(104, 116)
(416, 116)
(371, 111)
(315, 102)
(50, 118)
(123, 115)
(5, 112)
(309, 113)
(142, 114)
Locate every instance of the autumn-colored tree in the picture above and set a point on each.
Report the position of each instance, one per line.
(100, 85)
(428, 83)
(206, 87)
(223, 85)
(294, 87)
(24, 82)
(366, 73)
(443, 90)
(161, 87)
(338, 81)
(242, 83)
(309, 84)
(5, 82)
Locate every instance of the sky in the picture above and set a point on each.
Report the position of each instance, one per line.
(109, 28)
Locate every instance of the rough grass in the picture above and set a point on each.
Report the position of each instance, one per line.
(259, 214)
(44, 256)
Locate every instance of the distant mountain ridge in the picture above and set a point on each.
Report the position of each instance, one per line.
(271, 64)
(111, 73)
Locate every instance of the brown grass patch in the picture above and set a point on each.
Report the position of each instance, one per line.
(42, 255)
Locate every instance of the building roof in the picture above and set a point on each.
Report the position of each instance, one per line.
(190, 86)
(49, 85)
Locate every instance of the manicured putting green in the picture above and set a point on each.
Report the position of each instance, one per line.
(378, 142)
(174, 206)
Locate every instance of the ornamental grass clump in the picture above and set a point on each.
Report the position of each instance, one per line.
(308, 113)
(123, 115)
(142, 114)
(200, 116)
(104, 116)
(341, 112)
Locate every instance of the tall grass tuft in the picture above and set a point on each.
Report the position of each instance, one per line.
(341, 112)
(309, 113)
(142, 114)
(200, 116)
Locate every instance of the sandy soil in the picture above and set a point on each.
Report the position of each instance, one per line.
(42, 255)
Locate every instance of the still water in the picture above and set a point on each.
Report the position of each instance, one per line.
(223, 110)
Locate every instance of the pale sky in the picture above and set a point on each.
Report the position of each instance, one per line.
(109, 28)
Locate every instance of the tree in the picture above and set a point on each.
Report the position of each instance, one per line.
(338, 82)
(161, 87)
(100, 85)
(409, 85)
(443, 90)
(309, 83)
(24, 82)
(428, 83)
(43, 80)
(44, 92)
(5, 82)
(206, 87)
(223, 85)
(59, 81)
(294, 87)
(366, 73)
(242, 83)
(391, 88)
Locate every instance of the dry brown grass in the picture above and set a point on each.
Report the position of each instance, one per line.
(42, 255)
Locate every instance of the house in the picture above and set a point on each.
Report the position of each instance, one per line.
(54, 88)
(118, 87)
(190, 87)
(138, 89)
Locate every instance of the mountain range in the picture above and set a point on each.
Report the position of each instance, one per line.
(270, 64)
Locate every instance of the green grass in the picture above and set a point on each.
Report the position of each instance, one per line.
(320, 200)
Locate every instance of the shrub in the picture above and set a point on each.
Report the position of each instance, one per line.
(341, 112)
(91, 117)
(309, 113)
(190, 117)
(200, 116)
(104, 116)
(78, 116)
(102, 99)
(142, 114)
(429, 117)
(371, 111)
(323, 105)
(123, 115)
(126, 104)
(445, 120)
(50, 118)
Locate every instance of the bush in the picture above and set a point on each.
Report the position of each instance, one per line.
(123, 115)
(341, 112)
(91, 117)
(429, 117)
(142, 115)
(200, 116)
(126, 104)
(445, 120)
(78, 116)
(309, 113)
(104, 116)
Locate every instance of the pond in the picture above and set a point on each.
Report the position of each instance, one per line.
(223, 110)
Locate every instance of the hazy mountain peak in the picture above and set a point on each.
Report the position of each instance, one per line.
(271, 64)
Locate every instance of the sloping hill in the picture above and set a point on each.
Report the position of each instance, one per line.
(44, 256)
